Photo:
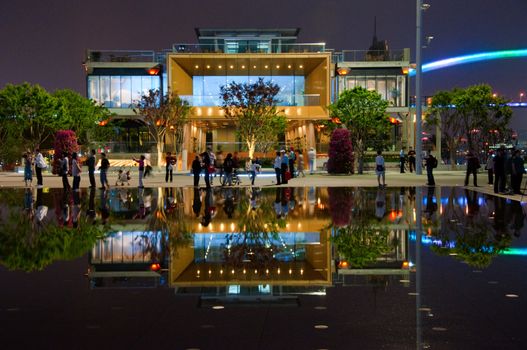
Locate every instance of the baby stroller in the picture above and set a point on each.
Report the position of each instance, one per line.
(122, 177)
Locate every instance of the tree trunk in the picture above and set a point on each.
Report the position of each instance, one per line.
(452, 151)
(251, 145)
(360, 153)
(159, 153)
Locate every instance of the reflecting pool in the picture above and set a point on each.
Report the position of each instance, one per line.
(262, 268)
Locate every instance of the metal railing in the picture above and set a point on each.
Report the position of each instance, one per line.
(248, 47)
(120, 56)
(371, 55)
(284, 100)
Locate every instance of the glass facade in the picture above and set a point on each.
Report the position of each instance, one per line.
(120, 91)
(391, 87)
(206, 88)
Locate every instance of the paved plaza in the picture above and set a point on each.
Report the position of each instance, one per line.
(449, 178)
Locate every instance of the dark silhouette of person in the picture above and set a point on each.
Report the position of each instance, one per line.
(228, 205)
(472, 168)
(207, 216)
(196, 202)
(499, 171)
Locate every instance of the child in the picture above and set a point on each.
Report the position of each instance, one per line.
(123, 177)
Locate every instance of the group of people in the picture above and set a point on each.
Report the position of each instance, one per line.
(430, 164)
(285, 161)
(403, 160)
(505, 171)
(37, 161)
(74, 168)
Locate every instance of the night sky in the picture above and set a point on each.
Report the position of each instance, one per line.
(44, 41)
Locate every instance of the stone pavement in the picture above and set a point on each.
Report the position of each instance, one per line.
(266, 179)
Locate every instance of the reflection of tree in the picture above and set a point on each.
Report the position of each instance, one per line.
(253, 246)
(27, 246)
(361, 244)
(469, 235)
(340, 205)
(169, 220)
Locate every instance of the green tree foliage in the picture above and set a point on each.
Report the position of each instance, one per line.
(29, 247)
(162, 114)
(80, 115)
(30, 116)
(363, 113)
(360, 244)
(473, 114)
(252, 108)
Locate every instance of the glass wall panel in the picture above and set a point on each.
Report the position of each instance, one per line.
(105, 91)
(115, 91)
(126, 91)
(401, 86)
(146, 84)
(136, 89)
(93, 88)
(381, 87)
(370, 84)
(392, 90)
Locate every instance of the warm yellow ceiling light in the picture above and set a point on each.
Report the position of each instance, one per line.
(266, 66)
(196, 66)
(289, 66)
(231, 66)
(243, 67)
(277, 66)
(301, 66)
(208, 67)
(219, 66)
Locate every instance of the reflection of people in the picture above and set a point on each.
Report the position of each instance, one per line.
(76, 209)
(431, 205)
(277, 203)
(28, 202)
(472, 203)
(380, 204)
(228, 205)
(90, 213)
(518, 217)
(286, 193)
(196, 202)
(42, 210)
(105, 211)
(207, 216)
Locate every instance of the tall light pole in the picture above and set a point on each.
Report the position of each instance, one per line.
(418, 73)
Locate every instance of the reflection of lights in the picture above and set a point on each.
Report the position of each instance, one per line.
(198, 272)
(290, 271)
(221, 272)
(222, 227)
(218, 307)
(301, 271)
(244, 271)
(232, 226)
(267, 271)
(278, 271)
(512, 295)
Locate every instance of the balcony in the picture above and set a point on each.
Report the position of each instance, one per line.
(371, 56)
(249, 47)
(285, 100)
(120, 56)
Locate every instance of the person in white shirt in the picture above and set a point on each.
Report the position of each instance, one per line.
(278, 167)
(40, 164)
(380, 169)
(311, 156)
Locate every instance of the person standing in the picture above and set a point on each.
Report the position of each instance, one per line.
(292, 158)
(278, 167)
(169, 165)
(75, 171)
(312, 156)
(211, 169)
(284, 166)
(411, 159)
(401, 160)
(490, 168)
(141, 163)
(518, 168)
(196, 170)
(228, 167)
(206, 163)
(499, 171)
(65, 168)
(105, 165)
(28, 169)
(255, 168)
(91, 167)
(300, 165)
(40, 164)
(380, 169)
(430, 164)
(472, 168)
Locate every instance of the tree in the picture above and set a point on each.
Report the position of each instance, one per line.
(30, 114)
(80, 114)
(363, 113)
(473, 114)
(340, 153)
(252, 108)
(161, 114)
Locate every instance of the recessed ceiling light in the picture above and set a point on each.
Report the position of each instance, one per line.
(289, 66)
(196, 66)
(277, 66)
(512, 295)
(231, 66)
(219, 66)
(208, 67)
(266, 66)
(243, 67)
(321, 326)
(301, 66)
(218, 307)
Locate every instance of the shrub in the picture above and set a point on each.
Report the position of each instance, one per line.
(340, 153)
(65, 141)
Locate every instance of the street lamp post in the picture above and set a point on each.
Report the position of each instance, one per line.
(418, 72)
